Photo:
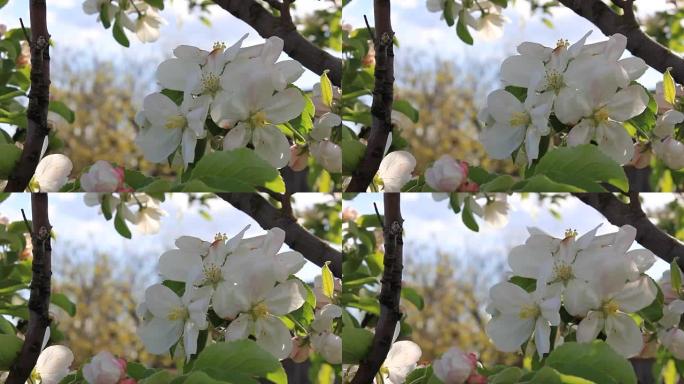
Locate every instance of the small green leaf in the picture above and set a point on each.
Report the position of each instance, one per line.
(106, 206)
(61, 109)
(407, 109)
(413, 297)
(11, 345)
(449, 13)
(159, 4)
(9, 157)
(669, 90)
(326, 89)
(676, 276)
(328, 281)
(356, 343)
(462, 31)
(121, 226)
(468, 218)
(119, 34)
(104, 15)
(62, 301)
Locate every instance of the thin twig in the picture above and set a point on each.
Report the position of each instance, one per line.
(23, 28)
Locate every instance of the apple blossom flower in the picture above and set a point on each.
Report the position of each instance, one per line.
(104, 368)
(515, 123)
(663, 105)
(148, 215)
(519, 314)
(395, 170)
(53, 362)
(321, 298)
(446, 174)
(51, 174)
(170, 126)
(454, 366)
(301, 349)
(495, 210)
(146, 26)
(401, 359)
(91, 7)
(299, 158)
(102, 177)
(323, 340)
(173, 317)
(610, 308)
(673, 340)
(642, 156)
(326, 152)
(317, 99)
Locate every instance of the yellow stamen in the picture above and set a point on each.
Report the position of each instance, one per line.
(258, 119)
(601, 115)
(610, 307)
(176, 122)
(554, 81)
(210, 83)
(520, 118)
(259, 310)
(562, 272)
(529, 312)
(570, 233)
(212, 274)
(178, 313)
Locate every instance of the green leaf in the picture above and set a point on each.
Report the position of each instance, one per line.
(104, 15)
(595, 361)
(159, 4)
(352, 153)
(119, 34)
(9, 157)
(161, 377)
(61, 109)
(462, 31)
(449, 13)
(239, 170)
(11, 345)
(356, 343)
(407, 109)
(501, 3)
(509, 375)
(502, 183)
(669, 91)
(106, 206)
(62, 301)
(584, 166)
(242, 357)
(326, 89)
(328, 281)
(413, 297)
(676, 276)
(541, 183)
(6, 327)
(138, 371)
(121, 226)
(468, 218)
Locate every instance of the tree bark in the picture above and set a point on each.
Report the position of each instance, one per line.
(39, 299)
(640, 44)
(390, 292)
(298, 47)
(383, 95)
(39, 100)
(311, 247)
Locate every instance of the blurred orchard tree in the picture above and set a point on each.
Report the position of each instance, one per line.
(447, 95)
(454, 312)
(103, 290)
(105, 96)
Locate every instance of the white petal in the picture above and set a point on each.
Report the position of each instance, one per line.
(615, 141)
(175, 264)
(525, 260)
(285, 298)
(519, 70)
(590, 327)
(53, 363)
(579, 297)
(500, 140)
(401, 359)
(501, 104)
(509, 331)
(160, 334)
(52, 172)
(161, 299)
(288, 263)
(158, 142)
(271, 145)
(509, 298)
(273, 336)
(237, 137)
(542, 336)
(239, 328)
(623, 335)
(284, 106)
(228, 301)
(627, 103)
(173, 73)
(636, 295)
(634, 66)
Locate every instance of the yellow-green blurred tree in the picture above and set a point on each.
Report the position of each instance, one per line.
(103, 291)
(447, 95)
(105, 95)
(454, 294)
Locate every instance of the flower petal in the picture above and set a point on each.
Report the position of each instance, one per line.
(273, 336)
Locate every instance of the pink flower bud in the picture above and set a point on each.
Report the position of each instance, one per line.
(103, 178)
(300, 350)
(103, 368)
(469, 186)
(454, 366)
(446, 174)
(642, 156)
(349, 214)
(299, 158)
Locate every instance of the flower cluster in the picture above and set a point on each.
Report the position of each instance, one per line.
(135, 15)
(586, 87)
(146, 218)
(665, 140)
(243, 90)
(243, 280)
(596, 279)
(483, 16)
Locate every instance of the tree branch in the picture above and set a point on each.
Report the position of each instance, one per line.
(298, 238)
(640, 44)
(390, 292)
(39, 299)
(648, 234)
(298, 47)
(39, 100)
(383, 95)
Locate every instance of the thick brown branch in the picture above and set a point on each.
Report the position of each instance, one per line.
(39, 100)
(390, 292)
(383, 94)
(298, 47)
(648, 234)
(654, 54)
(39, 299)
(296, 237)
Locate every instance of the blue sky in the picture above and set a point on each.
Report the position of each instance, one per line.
(76, 224)
(431, 225)
(418, 29)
